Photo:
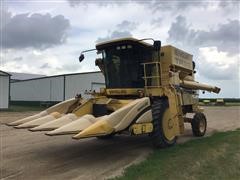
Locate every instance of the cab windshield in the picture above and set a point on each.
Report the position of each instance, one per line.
(123, 65)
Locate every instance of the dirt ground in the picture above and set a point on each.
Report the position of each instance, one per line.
(29, 155)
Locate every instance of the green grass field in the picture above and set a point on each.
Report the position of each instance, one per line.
(212, 102)
(226, 104)
(216, 157)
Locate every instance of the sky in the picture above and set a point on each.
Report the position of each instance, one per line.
(47, 36)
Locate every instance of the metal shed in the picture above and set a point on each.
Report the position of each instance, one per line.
(55, 88)
(4, 89)
(78, 83)
(40, 89)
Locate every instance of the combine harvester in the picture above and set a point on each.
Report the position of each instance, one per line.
(149, 90)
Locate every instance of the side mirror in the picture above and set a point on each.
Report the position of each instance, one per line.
(81, 58)
(157, 45)
(98, 62)
(193, 65)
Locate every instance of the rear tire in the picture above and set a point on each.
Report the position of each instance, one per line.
(159, 107)
(199, 124)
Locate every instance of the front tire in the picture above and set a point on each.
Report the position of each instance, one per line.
(162, 135)
(199, 124)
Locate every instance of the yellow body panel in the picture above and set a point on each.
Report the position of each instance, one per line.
(123, 92)
(56, 114)
(169, 125)
(176, 57)
(175, 110)
(84, 108)
(99, 128)
(117, 104)
(142, 128)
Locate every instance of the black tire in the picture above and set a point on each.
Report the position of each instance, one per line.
(159, 106)
(199, 124)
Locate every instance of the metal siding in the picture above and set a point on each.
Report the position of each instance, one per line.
(77, 84)
(55, 88)
(57, 91)
(4, 92)
(47, 89)
(96, 86)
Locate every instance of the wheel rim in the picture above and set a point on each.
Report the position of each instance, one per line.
(202, 126)
(168, 126)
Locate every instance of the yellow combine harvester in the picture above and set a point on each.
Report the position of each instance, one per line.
(149, 90)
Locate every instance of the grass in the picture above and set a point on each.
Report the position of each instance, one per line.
(227, 101)
(21, 108)
(232, 104)
(216, 157)
(226, 104)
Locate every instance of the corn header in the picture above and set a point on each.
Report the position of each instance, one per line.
(150, 89)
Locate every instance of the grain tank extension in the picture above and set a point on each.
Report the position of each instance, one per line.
(149, 90)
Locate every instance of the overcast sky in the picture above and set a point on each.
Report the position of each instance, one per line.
(46, 37)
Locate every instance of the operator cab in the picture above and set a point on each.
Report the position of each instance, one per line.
(122, 61)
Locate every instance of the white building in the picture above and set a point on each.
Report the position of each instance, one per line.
(56, 88)
(4, 90)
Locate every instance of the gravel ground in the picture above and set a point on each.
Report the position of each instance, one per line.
(29, 155)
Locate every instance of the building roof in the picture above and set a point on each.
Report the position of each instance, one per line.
(3, 73)
(45, 77)
(24, 76)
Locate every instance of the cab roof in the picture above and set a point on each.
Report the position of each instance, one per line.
(120, 41)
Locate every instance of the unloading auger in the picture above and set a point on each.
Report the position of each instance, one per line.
(149, 90)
